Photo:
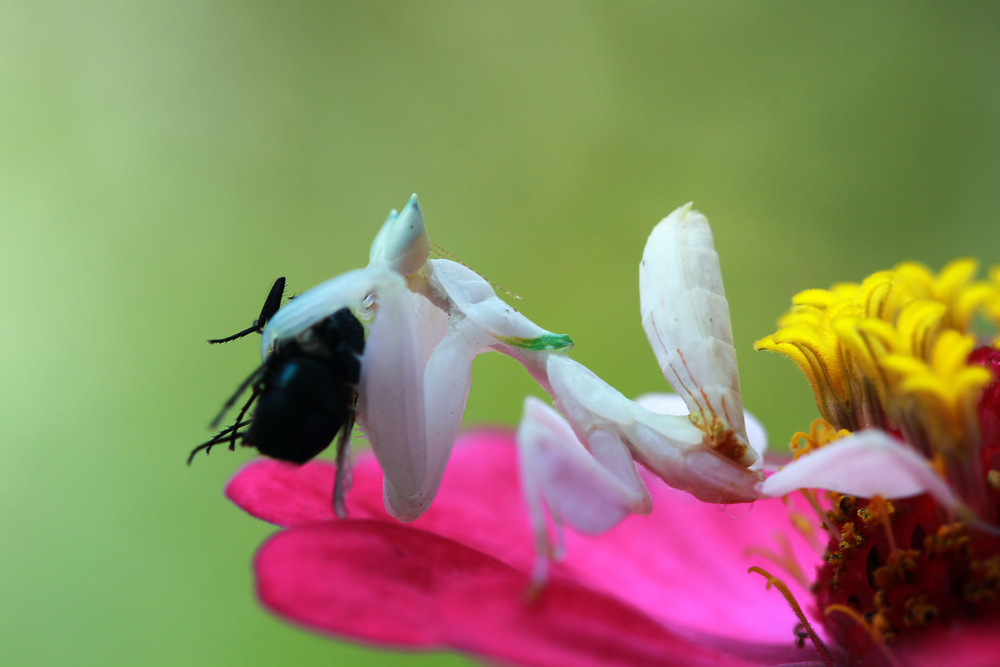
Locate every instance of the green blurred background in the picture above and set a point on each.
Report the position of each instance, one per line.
(162, 162)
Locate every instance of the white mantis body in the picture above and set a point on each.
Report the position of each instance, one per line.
(428, 320)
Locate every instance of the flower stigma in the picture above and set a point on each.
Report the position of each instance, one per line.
(787, 594)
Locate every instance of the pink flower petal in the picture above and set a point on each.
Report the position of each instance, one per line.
(683, 565)
(392, 584)
(289, 495)
(686, 564)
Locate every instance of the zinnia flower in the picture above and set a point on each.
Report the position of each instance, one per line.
(907, 472)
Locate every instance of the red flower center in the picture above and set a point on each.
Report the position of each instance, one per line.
(905, 566)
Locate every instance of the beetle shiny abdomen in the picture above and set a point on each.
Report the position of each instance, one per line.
(304, 403)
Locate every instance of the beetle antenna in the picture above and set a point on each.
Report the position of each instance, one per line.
(220, 437)
(236, 396)
(271, 305)
(444, 253)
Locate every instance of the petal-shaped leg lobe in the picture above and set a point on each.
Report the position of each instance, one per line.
(865, 464)
(391, 395)
(446, 385)
(471, 294)
(588, 492)
(589, 402)
(432, 327)
(669, 446)
(686, 318)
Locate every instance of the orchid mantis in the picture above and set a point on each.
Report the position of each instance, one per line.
(427, 320)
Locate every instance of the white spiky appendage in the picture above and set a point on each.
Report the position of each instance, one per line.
(686, 318)
(402, 244)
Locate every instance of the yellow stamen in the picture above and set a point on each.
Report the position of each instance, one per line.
(812, 345)
(820, 434)
(872, 632)
(953, 287)
(945, 386)
(891, 353)
(790, 599)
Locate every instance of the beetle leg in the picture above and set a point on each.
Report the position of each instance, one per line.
(233, 432)
(219, 438)
(686, 318)
(342, 481)
(254, 377)
(257, 388)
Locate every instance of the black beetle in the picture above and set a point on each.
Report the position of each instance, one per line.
(305, 392)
